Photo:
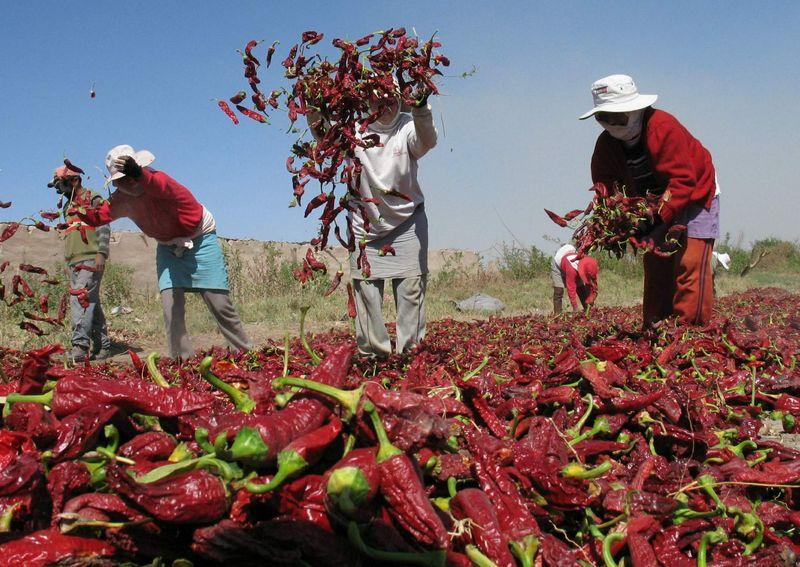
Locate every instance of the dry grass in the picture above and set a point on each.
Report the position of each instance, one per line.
(269, 299)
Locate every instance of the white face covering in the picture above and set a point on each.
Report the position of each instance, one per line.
(630, 131)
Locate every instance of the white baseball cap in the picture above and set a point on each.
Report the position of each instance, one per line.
(142, 158)
(617, 93)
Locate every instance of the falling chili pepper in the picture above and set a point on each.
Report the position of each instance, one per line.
(73, 168)
(248, 50)
(9, 231)
(237, 98)
(31, 269)
(31, 328)
(252, 114)
(227, 110)
(351, 302)
(5, 204)
(337, 279)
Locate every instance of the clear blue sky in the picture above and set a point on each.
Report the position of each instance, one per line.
(511, 142)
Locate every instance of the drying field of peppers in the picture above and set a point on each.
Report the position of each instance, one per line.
(509, 441)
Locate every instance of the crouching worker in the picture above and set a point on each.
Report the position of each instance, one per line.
(188, 257)
(579, 276)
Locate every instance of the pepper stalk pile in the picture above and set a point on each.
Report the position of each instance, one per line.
(611, 222)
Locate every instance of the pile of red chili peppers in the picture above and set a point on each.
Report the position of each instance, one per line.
(343, 96)
(509, 441)
(611, 221)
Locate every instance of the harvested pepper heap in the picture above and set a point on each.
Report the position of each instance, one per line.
(512, 441)
(612, 221)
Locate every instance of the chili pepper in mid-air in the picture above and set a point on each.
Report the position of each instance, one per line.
(5, 204)
(248, 50)
(271, 52)
(9, 231)
(337, 279)
(82, 295)
(49, 215)
(227, 110)
(73, 168)
(237, 98)
(403, 491)
(18, 282)
(252, 114)
(313, 263)
(386, 250)
(351, 302)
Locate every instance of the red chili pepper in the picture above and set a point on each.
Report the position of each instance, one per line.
(9, 231)
(63, 305)
(248, 50)
(49, 215)
(252, 114)
(3, 266)
(475, 505)
(31, 328)
(82, 295)
(19, 282)
(301, 453)
(43, 303)
(403, 491)
(311, 37)
(351, 302)
(555, 218)
(5, 204)
(237, 98)
(227, 110)
(73, 168)
(317, 201)
(271, 52)
(313, 263)
(337, 279)
(385, 250)
(31, 269)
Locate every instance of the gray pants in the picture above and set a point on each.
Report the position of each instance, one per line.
(173, 301)
(89, 324)
(409, 299)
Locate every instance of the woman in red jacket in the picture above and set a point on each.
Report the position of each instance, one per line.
(644, 149)
(188, 256)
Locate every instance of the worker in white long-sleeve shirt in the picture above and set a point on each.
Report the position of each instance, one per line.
(396, 220)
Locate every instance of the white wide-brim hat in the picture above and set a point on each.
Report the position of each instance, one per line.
(617, 93)
(143, 158)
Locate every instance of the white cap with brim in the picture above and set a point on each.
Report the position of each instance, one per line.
(617, 93)
(143, 158)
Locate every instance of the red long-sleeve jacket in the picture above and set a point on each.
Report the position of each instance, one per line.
(679, 161)
(165, 209)
(585, 275)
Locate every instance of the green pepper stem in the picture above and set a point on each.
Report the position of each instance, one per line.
(451, 486)
(601, 425)
(285, 354)
(525, 550)
(386, 450)
(241, 401)
(577, 470)
(717, 536)
(348, 399)
(575, 431)
(478, 559)
(154, 372)
(424, 559)
(289, 463)
(45, 399)
(608, 541)
(472, 373)
(315, 359)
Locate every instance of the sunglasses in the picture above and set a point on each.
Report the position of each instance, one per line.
(616, 118)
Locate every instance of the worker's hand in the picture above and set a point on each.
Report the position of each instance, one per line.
(647, 226)
(99, 262)
(421, 97)
(128, 166)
